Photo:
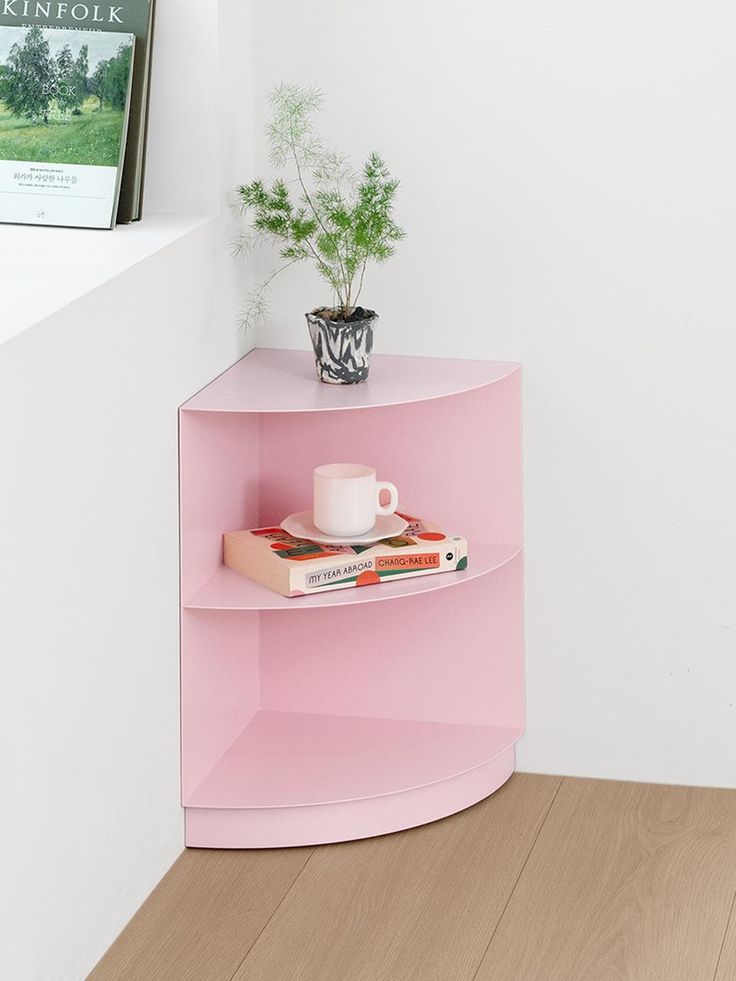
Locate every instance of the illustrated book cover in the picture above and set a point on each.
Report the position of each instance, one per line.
(297, 567)
(126, 16)
(64, 104)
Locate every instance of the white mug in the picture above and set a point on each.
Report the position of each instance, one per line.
(347, 499)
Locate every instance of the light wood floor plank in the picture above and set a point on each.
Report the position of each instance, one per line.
(626, 882)
(727, 958)
(417, 906)
(201, 919)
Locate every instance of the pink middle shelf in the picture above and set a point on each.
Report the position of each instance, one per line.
(228, 590)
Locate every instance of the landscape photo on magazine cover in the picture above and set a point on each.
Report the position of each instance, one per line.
(63, 95)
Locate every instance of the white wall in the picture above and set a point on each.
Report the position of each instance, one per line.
(182, 154)
(89, 716)
(568, 192)
(90, 624)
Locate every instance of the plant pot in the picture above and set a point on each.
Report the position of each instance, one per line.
(342, 349)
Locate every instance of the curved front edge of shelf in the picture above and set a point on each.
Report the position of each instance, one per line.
(318, 824)
(268, 380)
(229, 590)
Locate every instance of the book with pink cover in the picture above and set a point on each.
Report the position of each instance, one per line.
(297, 566)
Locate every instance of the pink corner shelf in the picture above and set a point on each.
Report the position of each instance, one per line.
(365, 716)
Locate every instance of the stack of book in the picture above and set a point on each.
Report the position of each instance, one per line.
(74, 80)
(297, 566)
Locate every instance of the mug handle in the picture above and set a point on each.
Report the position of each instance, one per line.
(394, 497)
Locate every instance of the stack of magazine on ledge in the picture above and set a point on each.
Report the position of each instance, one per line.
(73, 111)
(298, 567)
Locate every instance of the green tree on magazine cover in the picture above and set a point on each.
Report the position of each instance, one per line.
(28, 79)
(65, 84)
(116, 81)
(97, 83)
(109, 80)
(81, 82)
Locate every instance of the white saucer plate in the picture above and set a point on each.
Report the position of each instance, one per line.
(301, 525)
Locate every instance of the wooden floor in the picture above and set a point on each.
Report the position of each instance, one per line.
(548, 880)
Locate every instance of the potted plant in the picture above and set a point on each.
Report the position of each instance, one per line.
(337, 219)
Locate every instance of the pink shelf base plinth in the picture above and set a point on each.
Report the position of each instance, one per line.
(302, 778)
(319, 824)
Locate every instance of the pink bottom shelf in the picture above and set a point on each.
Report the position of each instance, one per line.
(296, 778)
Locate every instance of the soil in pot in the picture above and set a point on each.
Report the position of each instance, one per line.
(336, 316)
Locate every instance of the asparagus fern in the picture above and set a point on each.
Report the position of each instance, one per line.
(325, 213)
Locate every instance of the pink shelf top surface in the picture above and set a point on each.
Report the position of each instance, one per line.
(270, 380)
(229, 590)
(289, 759)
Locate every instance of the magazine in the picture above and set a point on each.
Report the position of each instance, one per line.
(64, 104)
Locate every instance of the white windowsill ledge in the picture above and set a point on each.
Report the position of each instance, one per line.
(43, 269)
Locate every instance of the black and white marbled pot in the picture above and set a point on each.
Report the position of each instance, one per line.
(342, 351)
